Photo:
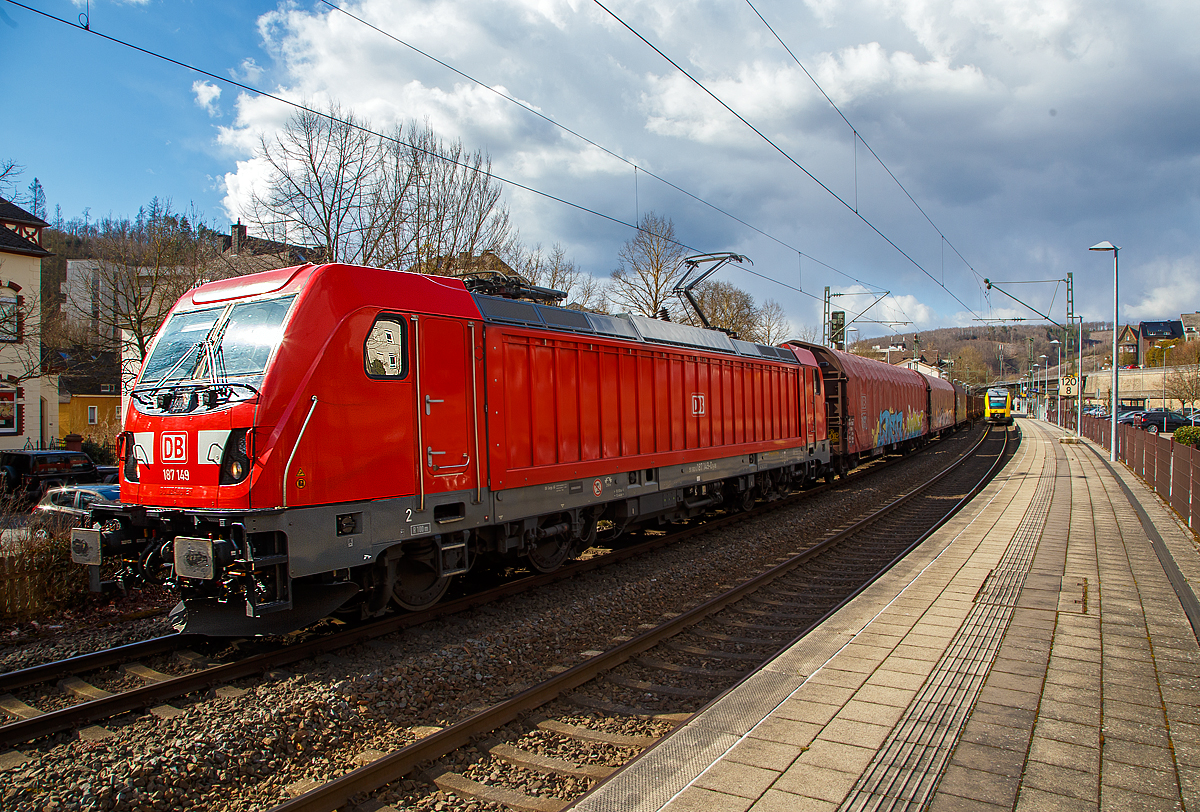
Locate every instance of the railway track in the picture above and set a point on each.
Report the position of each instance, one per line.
(666, 673)
(146, 675)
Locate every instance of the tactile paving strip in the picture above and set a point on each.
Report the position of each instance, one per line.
(905, 771)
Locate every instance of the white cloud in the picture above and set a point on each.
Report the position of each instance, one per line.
(249, 72)
(241, 185)
(206, 96)
(956, 97)
(1161, 289)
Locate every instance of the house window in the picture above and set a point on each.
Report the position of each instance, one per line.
(8, 411)
(91, 415)
(107, 388)
(10, 317)
(384, 349)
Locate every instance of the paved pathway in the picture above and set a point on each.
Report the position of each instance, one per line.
(1031, 655)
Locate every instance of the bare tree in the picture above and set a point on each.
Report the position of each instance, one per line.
(649, 267)
(807, 333)
(324, 186)
(457, 207)
(1184, 384)
(773, 325)
(140, 269)
(405, 200)
(9, 172)
(727, 307)
(37, 199)
(554, 270)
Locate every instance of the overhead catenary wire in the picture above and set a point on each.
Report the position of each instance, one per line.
(366, 130)
(785, 154)
(549, 120)
(485, 173)
(858, 138)
(358, 127)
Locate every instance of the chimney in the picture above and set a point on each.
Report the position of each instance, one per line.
(238, 236)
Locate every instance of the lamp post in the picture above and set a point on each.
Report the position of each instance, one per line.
(1058, 389)
(1108, 246)
(1033, 388)
(1044, 395)
(1079, 400)
(1163, 345)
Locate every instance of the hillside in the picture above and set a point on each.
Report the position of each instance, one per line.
(977, 352)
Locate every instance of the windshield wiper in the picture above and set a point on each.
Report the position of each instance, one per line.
(187, 354)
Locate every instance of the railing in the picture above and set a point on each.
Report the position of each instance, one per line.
(1170, 468)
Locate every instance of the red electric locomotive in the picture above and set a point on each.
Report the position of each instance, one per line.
(339, 438)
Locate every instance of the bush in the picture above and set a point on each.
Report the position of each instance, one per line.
(1188, 435)
(39, 578)
(100, 454)
(60, 582)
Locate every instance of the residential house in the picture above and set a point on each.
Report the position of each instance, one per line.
(244, 254)
(1191, 326)
(1129, 342)
(89, 394)
(465, 264)
(1152, 331)
(28, 396)
(920, 365)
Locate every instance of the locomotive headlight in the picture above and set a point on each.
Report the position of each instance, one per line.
(235, 461)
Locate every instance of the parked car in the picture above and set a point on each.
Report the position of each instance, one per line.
(1157, 420)
(63, 508)
(30, 474)
(1128, 417)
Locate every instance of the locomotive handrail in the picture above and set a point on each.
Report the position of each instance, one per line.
(292, 456)
(475, 413)
(420, 434)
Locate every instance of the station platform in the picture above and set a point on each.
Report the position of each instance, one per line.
(1036, 653)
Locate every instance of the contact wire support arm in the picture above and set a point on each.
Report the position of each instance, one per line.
(683, 289)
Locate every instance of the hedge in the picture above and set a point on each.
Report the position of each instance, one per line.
(1188, 435)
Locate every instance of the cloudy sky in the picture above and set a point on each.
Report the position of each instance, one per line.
(1026, 130)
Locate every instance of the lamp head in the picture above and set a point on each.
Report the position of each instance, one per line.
(1103, 246)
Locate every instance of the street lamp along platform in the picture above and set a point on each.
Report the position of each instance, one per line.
(1108, 246)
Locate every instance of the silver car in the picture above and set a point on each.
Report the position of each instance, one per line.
(64, 508)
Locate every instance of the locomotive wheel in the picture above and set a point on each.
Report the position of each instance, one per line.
(418, 585)
(746, 500)
(549, 554)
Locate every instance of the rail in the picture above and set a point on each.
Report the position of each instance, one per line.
(394, 766)
(16, 732)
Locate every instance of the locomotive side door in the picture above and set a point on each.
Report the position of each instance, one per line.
(446, 403)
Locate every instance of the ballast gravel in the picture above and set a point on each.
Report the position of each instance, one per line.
(243, 753)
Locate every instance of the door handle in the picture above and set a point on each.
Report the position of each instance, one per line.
(430, 454)
(429, 401)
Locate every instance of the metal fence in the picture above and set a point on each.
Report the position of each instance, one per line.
(19, 592)
(1170, 468)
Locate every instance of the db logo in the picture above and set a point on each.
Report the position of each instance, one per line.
(698, 403)
(174, 448)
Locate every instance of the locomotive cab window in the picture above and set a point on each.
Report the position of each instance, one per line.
(385, 353)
